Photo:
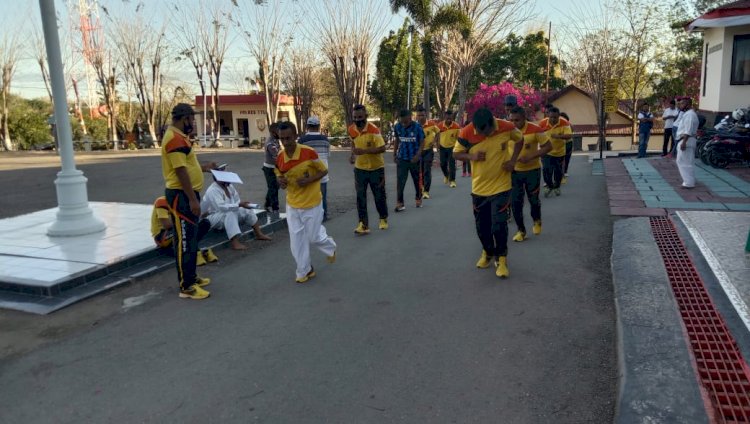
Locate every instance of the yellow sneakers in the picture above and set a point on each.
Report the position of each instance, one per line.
(202, 282)
(502, 267)
(445, 180)
(564, 180)
(537, 228)
(383, 224)
(453, 184)
(331, 259)
(194, 292)
(484, 260)
(520, 236)
(307, 277)
(200, 260)
(209, 256)
(362, 228)
(426, 195)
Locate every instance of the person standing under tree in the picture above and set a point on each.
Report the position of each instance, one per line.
(447, 140)
(368, 148)
(485, 143)
(409, 139)
(527, 174)
(559, 132)
(183, 176)
(428, 156)
(271, 150)
(568, 148)
(299, 172)
(645, 123)
(670, 114)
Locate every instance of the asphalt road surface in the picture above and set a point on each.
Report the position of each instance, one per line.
(402, 328)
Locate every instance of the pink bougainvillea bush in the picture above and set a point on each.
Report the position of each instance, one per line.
(493, 97)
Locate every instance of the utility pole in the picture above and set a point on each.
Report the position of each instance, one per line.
(549, 60)
(408, 89)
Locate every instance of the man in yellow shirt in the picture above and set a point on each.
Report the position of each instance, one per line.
(485, 142)
(299, 171)
(183, 176)
(428, 156)
(368, 148)
(526, 177)
(559, 132)
(446, 140)
(162, 231)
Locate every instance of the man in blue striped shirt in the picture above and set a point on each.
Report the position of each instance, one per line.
(313, 138)
(409, 137)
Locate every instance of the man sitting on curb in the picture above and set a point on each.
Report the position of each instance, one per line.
(225, 211)
(162, 231)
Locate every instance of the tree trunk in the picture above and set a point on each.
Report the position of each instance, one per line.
(426, 94)
(463, 86)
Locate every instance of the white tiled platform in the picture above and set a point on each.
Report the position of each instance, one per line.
(41, 274)
(29, 257)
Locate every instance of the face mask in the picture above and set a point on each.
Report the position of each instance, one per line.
(360, 123)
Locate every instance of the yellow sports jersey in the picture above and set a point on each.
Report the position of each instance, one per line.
(161, 210)
(488, 176)
(303, 163)
(431, 130)
(448, 134)
(558, 144)
(533, 137)
(368, 138)
(177, 152)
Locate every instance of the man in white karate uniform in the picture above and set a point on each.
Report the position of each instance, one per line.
(686, 140)
(299, 171)
(226, 211)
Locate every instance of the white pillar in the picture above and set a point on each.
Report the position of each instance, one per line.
(74, 216)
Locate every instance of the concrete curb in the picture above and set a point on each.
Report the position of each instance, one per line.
(658, 383)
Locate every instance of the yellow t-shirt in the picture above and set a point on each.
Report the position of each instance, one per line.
(533, 137)
(368, 138)
(161, 210)
(303, 163)
(488, 176)
(177, 152)
(448, 134)
(562, 127)
(430, 132)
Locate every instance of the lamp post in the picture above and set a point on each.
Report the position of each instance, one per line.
(205, 114)
(74, 216)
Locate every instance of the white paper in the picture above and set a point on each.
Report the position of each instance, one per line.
(226, 177)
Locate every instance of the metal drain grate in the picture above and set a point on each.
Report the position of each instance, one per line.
(721, 367)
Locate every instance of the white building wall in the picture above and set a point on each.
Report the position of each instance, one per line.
(719, 95)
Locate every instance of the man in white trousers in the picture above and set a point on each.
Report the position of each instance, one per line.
(299, 171)
(226, 211)
(686, 133)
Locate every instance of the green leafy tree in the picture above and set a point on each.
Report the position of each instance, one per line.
(521, 60)
(428, 21)
(390, 88)
(27, 122)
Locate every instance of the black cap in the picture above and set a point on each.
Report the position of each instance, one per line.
(182, 110)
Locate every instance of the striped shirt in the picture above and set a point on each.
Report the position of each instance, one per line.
(410, 140)
(322, 147)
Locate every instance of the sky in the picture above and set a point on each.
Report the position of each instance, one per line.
(22, 16)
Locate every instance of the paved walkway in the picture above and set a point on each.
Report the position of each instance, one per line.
(651, 187)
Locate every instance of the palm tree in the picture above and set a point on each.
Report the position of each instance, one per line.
(429, 20)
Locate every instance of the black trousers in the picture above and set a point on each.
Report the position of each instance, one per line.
(376, 181)
(403, 169)
(186, 236)
(427, 157)
(466, 166)
(526, 183)
(668, 136)
(165, 238)
(491, 219)
(552, 170)
(568, 155)
(447, 163)
(272, 193)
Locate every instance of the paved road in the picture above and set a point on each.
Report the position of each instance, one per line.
(402, 328)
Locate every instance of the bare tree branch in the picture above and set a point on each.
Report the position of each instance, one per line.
(10, 49)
